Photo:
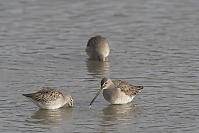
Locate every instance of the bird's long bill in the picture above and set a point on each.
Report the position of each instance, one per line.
(96, 95)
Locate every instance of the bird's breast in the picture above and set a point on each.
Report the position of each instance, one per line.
(114, 96)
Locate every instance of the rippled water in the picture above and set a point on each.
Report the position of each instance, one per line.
(153, 43)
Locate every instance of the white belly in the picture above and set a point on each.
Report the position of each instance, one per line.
(52, 105)
(122, 101)
(49, 106)
(116, 98)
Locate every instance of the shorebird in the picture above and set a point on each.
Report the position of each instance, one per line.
(98, 48)
(50, 98)
(117, 91)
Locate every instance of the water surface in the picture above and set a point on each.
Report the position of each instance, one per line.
(153, 43)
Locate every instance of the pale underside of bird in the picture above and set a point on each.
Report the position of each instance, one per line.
(117, 91)
(50, 98)
(98, 48)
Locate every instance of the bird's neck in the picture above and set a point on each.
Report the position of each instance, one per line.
(111, 86)
(66, 99)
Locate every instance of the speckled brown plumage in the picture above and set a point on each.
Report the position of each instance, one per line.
(45, 95)
(50, 98)
(127, 88)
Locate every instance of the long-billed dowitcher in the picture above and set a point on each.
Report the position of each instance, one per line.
(117, 91)
(50, 98)
(98, 48)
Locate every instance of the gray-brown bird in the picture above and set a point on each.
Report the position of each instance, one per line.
(117, 91)
(50, 98)
(98, 48)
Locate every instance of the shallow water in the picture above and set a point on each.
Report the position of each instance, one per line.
(153, 43)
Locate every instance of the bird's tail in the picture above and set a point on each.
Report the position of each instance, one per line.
(28, 95)
(140, 88)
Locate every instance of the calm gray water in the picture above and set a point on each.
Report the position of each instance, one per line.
(153, 43)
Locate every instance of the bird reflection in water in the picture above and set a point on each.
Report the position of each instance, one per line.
(121, 112)
(119, 116)
(53, 117)
(98, 68)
